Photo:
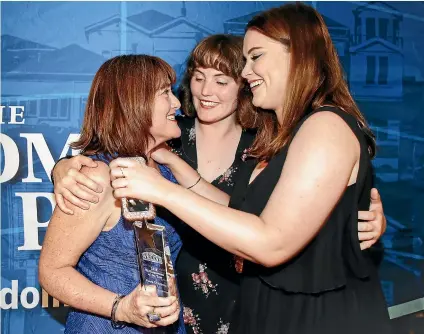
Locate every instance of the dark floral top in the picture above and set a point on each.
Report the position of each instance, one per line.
(207, 280)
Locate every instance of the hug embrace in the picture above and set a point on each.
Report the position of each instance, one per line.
(263, 188)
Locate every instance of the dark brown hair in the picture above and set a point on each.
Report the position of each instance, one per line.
(315, 78)
(223, 53)
(118, 114)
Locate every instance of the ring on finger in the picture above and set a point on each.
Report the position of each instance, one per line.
(122, 171)
(153, 316)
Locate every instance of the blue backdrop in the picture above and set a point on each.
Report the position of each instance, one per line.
(51, 50)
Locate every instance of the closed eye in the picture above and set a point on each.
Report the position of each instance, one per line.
(254, 57)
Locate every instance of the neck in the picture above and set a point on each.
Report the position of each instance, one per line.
(220, 129)
(279, 114)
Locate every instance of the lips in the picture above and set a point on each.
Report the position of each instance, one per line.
(208, 104)
(255, 83)
(170, 117)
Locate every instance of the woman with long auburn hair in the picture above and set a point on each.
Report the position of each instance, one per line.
(215, 101)
(89, 260)
(292, 217)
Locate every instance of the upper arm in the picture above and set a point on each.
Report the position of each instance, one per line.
(320, 163)
(68, 236)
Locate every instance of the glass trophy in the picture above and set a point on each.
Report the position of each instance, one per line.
(153, 253)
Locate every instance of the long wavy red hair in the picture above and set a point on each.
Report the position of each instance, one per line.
(315, 79)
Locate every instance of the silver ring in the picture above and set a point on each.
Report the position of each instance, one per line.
(122, 171)
(153, 317)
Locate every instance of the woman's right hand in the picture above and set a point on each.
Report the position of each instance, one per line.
(72, 185)
(134, 307)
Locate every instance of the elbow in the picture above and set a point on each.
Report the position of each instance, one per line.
(44, 272)
(43, 276)
(272, 262)
(271, 259)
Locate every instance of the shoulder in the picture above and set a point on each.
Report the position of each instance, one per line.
(326, 133)
(101, 175)
(327, 123)
(99, 211)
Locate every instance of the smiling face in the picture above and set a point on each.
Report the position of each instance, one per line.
(266, 70)
(214, 94)
(164, 126)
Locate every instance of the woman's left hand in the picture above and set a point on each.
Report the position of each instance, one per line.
(373, 223)
(133, 180)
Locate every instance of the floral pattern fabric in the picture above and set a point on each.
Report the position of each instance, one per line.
(207, 279)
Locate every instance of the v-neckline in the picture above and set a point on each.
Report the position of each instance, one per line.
(232, 164)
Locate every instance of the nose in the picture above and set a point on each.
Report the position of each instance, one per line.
(246, 70)
(175, 103)
(206, 88)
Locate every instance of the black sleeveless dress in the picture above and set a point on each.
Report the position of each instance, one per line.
(331, 287)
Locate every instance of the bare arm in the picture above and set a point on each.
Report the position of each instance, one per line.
(299, 206)
(187, 176)
(66, 240)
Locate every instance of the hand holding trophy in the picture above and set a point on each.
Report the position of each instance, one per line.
(154, 256)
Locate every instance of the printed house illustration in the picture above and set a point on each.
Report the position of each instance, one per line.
(150, 32)
(340, 34)
(52, 85)
(376, 53)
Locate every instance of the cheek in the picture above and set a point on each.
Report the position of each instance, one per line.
(162, 107)
(194, 88)
(229, 95)
(258, 68)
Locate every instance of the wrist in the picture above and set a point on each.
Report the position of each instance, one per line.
(170, 194)
(119, 315)
(195, 183)
(173, 162)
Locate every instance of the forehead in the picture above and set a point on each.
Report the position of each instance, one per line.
(163, 84)
(209, 71)
(255, 39)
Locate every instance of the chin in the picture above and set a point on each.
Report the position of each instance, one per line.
(177, 133)
(257, 102)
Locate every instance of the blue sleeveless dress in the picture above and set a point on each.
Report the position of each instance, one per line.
(111, 262)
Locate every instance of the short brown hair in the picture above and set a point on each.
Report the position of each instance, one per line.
(315, 79)
(223, 53)
(118, 113)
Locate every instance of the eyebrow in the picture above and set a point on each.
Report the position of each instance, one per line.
(215, 75)
(253, 49)
(165, 85)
